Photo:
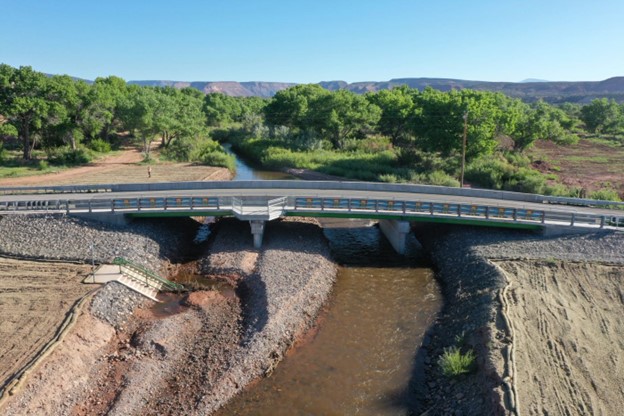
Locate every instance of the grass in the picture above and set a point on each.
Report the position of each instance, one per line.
(454, 363)
(378, 163)
(592, 159)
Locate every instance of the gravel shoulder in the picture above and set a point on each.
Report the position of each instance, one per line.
(543, 315)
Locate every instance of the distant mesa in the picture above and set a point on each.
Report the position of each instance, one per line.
(530, 89)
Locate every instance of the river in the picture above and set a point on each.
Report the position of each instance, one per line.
(360, 358)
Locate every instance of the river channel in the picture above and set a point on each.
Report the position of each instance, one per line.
(360, 358)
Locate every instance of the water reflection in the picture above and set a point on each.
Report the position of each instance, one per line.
(244, 172)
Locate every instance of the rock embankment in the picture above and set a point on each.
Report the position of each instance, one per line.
(59, 237)
(478, 298)
(192, 353)
(281, 296)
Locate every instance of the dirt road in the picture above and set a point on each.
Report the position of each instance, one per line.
(123, 168)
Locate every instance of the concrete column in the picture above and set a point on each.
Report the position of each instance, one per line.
(396, 232)
(257, 229)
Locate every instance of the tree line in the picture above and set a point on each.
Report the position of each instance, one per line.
(50, 112)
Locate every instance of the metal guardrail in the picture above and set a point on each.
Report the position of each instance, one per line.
(148, 274)
(309, 185)
(267, 209)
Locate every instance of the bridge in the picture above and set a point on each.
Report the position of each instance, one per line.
(394, 205)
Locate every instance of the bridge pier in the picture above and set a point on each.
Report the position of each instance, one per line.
(257, 229)
(396, 232)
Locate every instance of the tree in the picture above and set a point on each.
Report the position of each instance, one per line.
(342, 114)
(220, 109)
(290, 107)
(25, 104)
(602, 116)
(72, 96)
(104, 108)
(439, 121)
(139, 115)
(178, 115)
(541, 121)
(397, 110)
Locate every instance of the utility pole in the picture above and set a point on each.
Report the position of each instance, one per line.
(463, 164)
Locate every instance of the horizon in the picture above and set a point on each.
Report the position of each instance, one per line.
(526, 80)
(308, 42)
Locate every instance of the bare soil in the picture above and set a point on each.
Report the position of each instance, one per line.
(567, 321)
(34, 299)
(124, 168)
(588, 165)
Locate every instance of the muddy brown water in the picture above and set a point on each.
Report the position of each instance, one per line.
(360, 359)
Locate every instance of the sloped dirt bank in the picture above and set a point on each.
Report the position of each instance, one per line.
(207, 348)
(544, 330)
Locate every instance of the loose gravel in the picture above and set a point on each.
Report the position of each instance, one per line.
(114, 304)
(193, 361)
(59, 237)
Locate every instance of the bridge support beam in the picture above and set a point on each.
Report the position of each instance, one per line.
(257, 229)
(396, 232)
(113, 219)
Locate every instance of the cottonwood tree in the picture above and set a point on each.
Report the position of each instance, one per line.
(397, 111)
(603, 116)
(139, 115)
(440, 116)
(25, 104)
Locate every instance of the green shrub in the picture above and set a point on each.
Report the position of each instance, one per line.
(453, 363)
(100, 145)
(442, 179)
(64, 155)
(179, 150)
(561, 190)
(388, 177)
(217, 158)
(605, 195)
(42, 165)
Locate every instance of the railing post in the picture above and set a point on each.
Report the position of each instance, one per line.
(572, 219)
(543, 217)
(487, 212)
(459, 210)
(602, 221)
(431, 208)
(515, 214)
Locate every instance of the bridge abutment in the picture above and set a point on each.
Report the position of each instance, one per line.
(396, 232)
(257, 229)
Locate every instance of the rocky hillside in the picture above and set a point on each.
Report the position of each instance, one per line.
(236, 89)
(581, 92)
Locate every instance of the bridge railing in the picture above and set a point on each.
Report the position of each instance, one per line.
(272, 208)
(311, 185)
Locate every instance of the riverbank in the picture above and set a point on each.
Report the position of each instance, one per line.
(191, 354)
(544, 329)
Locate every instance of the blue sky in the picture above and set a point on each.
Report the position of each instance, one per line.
(312, 41)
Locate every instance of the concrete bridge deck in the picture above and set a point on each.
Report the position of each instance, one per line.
(260, 201)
